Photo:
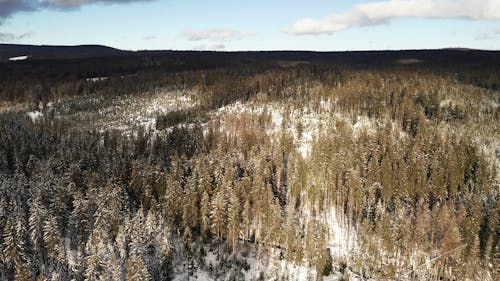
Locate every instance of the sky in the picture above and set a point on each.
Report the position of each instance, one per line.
(230, 25)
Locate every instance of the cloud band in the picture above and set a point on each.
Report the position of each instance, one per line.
(10, 7)
(384, 11)
(220, 35)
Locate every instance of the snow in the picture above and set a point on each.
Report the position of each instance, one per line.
(325, 105)
(337, 276)
(304, 124)
(362, 123)
(305, 144)
(201, 276)
(276, 114)
(297, 272)
(125, 113)
(269, 265)
(274, 268)
(19, 58)
(277, 118)
(340, 242)
(211, 258)
(96, 79)
(34, 115)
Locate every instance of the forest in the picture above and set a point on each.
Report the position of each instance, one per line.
(168, 165)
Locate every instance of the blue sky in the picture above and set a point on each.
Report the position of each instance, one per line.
(323, 25)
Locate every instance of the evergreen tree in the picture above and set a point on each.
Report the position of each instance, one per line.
(52, 238)
(205, 213)
(234, 219)
(218, 213)
(11, 251)
(136, 269)
(22, 272)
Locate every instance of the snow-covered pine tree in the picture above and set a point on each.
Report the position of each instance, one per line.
(234, 219)
(136, 269)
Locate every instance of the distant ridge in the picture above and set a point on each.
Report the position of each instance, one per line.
(460, 49)
(35, 52)
(178, 59)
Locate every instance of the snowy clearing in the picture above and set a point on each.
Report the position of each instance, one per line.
(19, 58)
(34, 115)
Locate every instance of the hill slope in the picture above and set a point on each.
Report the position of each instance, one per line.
(56, 52)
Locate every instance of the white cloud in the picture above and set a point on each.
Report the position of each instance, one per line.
(77, 3)
(201, 47)
(218, 47)
(6, 37)
(220, 35)
(150, 37)
(10, 37)
(384, 11)
(489, 35)
(213, 47)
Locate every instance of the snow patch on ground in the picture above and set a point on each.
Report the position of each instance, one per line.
(304, 124)
(201, 275)
(96, 79)
(19, 58)
(34, 115)
(211, 259)
(125, 113)
(363, 123)
(341, 240)
(305, 146)
(248, 264)
(297, 272)
(272, 267)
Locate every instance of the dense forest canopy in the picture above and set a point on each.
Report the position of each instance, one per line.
(170, 165)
